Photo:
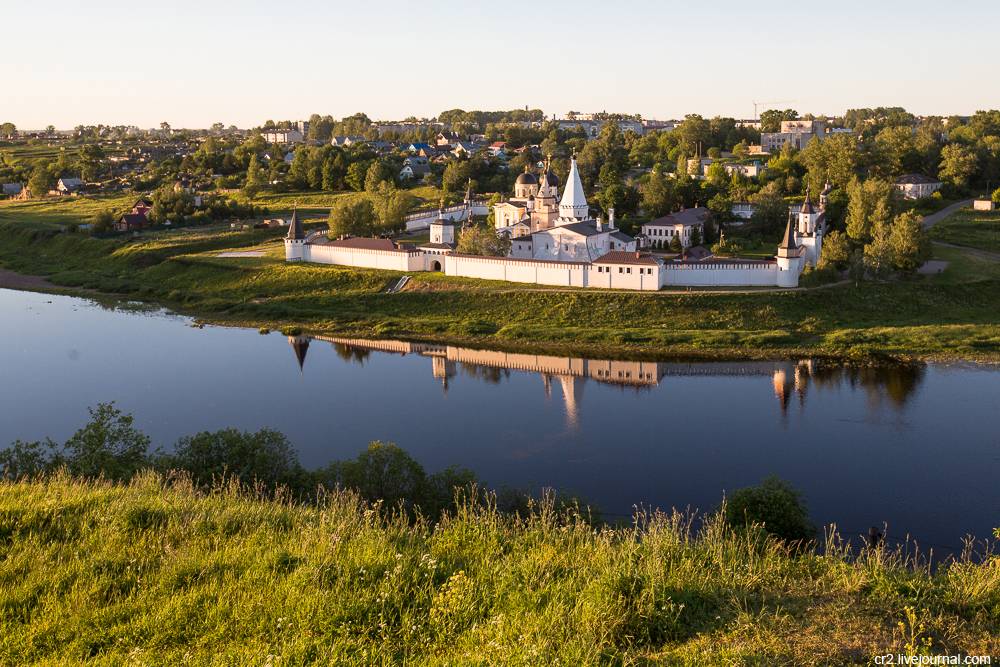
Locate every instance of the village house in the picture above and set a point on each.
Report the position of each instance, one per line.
(414, 167)
(447, 138)
(11, 190)
(345, 142)
(68, 186)
(917, 186)
(137, 218)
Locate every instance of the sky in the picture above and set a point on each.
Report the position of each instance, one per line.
(195, 62)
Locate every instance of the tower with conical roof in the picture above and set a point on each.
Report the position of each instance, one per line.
(295, 240)
(789, 258)
(573, 207)
(300, 345)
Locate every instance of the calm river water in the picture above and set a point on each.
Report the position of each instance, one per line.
(917, 447)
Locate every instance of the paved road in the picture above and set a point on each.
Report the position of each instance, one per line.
(934, 218)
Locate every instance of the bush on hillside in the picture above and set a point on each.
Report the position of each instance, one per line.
(775, 506)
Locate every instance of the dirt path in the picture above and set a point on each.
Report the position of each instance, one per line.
(975, 252)
(11, 280)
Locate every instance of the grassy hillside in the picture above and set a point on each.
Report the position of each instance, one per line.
(952, 314)
(976, 229)
(53, 212)
(156, 573)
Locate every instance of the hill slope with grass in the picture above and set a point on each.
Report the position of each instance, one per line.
(155, 572)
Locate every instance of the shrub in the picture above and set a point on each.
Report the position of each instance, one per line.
(773, 505)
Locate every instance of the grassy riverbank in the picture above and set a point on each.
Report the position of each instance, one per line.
(954, 314)
(158, 573)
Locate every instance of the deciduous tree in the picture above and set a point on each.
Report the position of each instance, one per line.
(352, 216)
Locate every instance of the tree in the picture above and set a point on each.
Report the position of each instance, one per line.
(41, 181)
(774, 505)
(836, 251)
(878, 252)
(770, 120)
(482, 240)
(659, 194)
(695, 236)
(869, 205)
(8, 130)
(958, 164)
(384, 472)
(103, 222)
(108, 445)
(255, 178)
(770, 210)
(909, 243)
(264, 456)
(352, 216)
(378, 173)
(390, 205)
(356, 174)
(996, 196)
(675, 244)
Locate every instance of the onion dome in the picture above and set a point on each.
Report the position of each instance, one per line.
(527, 178)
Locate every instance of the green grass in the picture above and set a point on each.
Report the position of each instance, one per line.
(322, 201)
(953, 315)
(976, 229)
(157, 573)
(58, 211)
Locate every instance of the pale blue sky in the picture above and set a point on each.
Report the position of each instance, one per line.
(195, 62)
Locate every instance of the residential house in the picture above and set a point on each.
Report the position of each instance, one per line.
(466, 148)
(11, 189)
(137, 218)
(752, 170)
(447, 138)
(414, 166)
(681, 225)
(283, 136)
(498, 149)
(917, 186)
(742, 210)
(421, 148)
(347, 141)
(68, 186)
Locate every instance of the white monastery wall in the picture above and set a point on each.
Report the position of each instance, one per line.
(363, 257)
(722, 275)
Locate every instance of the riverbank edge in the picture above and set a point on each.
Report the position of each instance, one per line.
(624, 351)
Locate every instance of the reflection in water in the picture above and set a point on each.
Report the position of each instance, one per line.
(898, 381)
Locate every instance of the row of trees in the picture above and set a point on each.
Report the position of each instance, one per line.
(110, 446)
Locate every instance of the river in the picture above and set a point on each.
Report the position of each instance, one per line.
(915, 446)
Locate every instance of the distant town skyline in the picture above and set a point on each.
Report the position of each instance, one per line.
(203, 62)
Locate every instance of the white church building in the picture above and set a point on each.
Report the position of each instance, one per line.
(561, 244)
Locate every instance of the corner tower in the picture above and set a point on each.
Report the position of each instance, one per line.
(295, 240)
(789, 259)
